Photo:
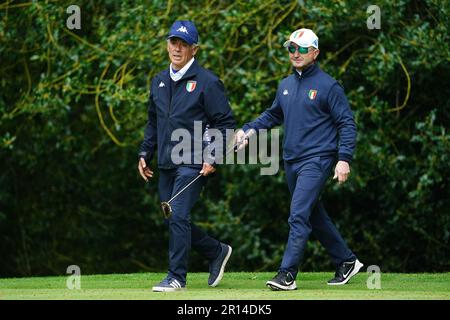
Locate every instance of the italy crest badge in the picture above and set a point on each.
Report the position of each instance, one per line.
(190, 85)
(312, 94)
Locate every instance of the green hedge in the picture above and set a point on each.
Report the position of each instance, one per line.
(73, 108)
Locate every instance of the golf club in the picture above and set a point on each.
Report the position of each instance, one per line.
(165, 206)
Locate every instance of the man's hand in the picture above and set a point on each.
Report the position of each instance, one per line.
(241, 138)
(341, 171)
(144, 170)
(207, 169)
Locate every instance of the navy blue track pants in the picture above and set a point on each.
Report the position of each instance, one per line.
(182, 233)
(306, 180)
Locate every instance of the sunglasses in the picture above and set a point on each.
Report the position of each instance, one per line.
(301, 50)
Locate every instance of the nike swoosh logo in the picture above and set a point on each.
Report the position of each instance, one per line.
(289, 283)
(346, 275)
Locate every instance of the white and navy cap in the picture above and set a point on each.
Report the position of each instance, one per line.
(303, 38)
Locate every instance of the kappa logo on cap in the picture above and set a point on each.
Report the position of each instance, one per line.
(183, 29)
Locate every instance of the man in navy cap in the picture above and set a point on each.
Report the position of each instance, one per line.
(181, 97)
(319, 133)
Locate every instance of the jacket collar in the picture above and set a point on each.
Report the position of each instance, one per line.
(307, 72)
(191, 72)
(180, 73)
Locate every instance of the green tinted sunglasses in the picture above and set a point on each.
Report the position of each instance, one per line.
(301, 50)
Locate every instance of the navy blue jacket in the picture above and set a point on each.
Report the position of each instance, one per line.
(174, 105)
(316, 115)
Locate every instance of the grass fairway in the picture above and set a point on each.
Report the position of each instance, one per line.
(234, 286)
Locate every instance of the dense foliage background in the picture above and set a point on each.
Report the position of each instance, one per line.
(73, 108)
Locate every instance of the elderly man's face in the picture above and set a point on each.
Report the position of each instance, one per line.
(180, 52)
(302, 60)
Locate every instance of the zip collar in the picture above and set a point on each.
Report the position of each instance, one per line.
(191, 72)
(178, 75)
(307, 72)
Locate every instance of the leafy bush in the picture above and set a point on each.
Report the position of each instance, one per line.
(73, 108)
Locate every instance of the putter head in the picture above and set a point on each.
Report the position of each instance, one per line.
(167, 209)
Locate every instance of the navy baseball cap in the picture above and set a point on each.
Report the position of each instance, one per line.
(185, 30)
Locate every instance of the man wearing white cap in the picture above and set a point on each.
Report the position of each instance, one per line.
(319, 132)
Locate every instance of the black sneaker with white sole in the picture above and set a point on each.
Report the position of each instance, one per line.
(344, 272)
(217, 266)
(282, 281)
